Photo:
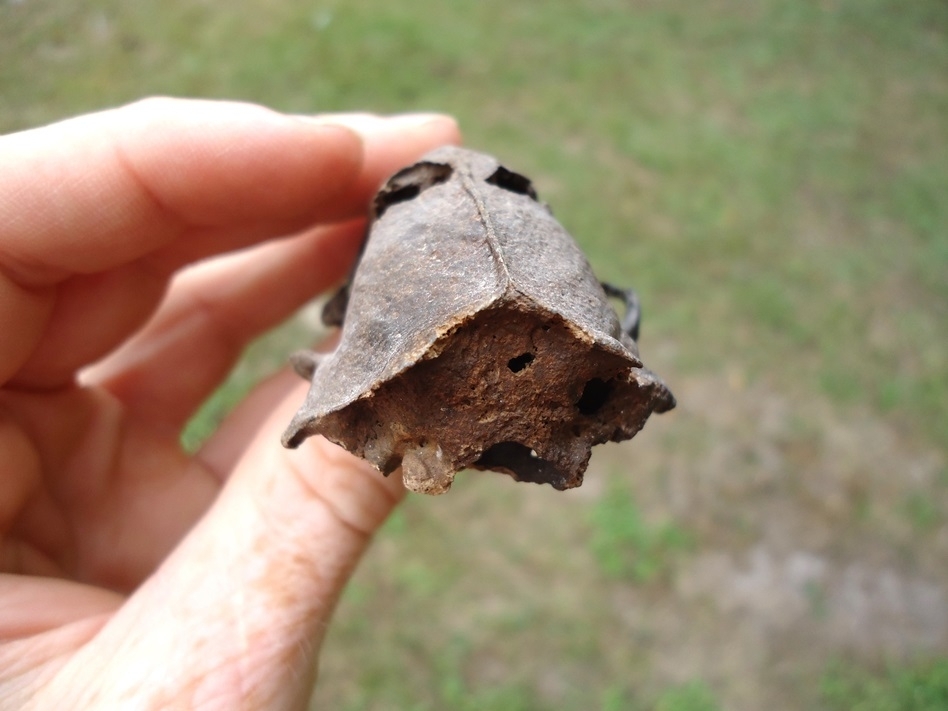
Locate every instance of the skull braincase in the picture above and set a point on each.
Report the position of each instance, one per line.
(475, 335)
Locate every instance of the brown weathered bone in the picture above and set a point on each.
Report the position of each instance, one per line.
(475, 336)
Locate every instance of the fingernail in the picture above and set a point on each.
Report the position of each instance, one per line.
(340, 118)
(334, 132)
(365, 123)
(418, 119)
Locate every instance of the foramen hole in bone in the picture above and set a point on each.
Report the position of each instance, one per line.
(520, 362)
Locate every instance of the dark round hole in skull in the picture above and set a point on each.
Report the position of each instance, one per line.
(520, 362)
(595, 395)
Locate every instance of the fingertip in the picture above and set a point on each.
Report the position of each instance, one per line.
(425, 130)
(360, 496)
(390, 143)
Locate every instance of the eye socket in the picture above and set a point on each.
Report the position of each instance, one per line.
(409, 183)
(514, 182)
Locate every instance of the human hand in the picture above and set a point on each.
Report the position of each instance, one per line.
(133, 575)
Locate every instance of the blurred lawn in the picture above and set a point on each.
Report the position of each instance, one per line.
(770, 175)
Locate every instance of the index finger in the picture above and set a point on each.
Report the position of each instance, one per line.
(99, 190)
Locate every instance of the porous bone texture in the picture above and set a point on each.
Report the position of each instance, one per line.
(475, 336)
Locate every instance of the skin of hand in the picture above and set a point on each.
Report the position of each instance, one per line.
(141, 248)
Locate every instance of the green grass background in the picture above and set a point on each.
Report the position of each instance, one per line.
(772, 176)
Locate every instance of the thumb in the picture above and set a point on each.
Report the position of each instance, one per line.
(236, 615)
